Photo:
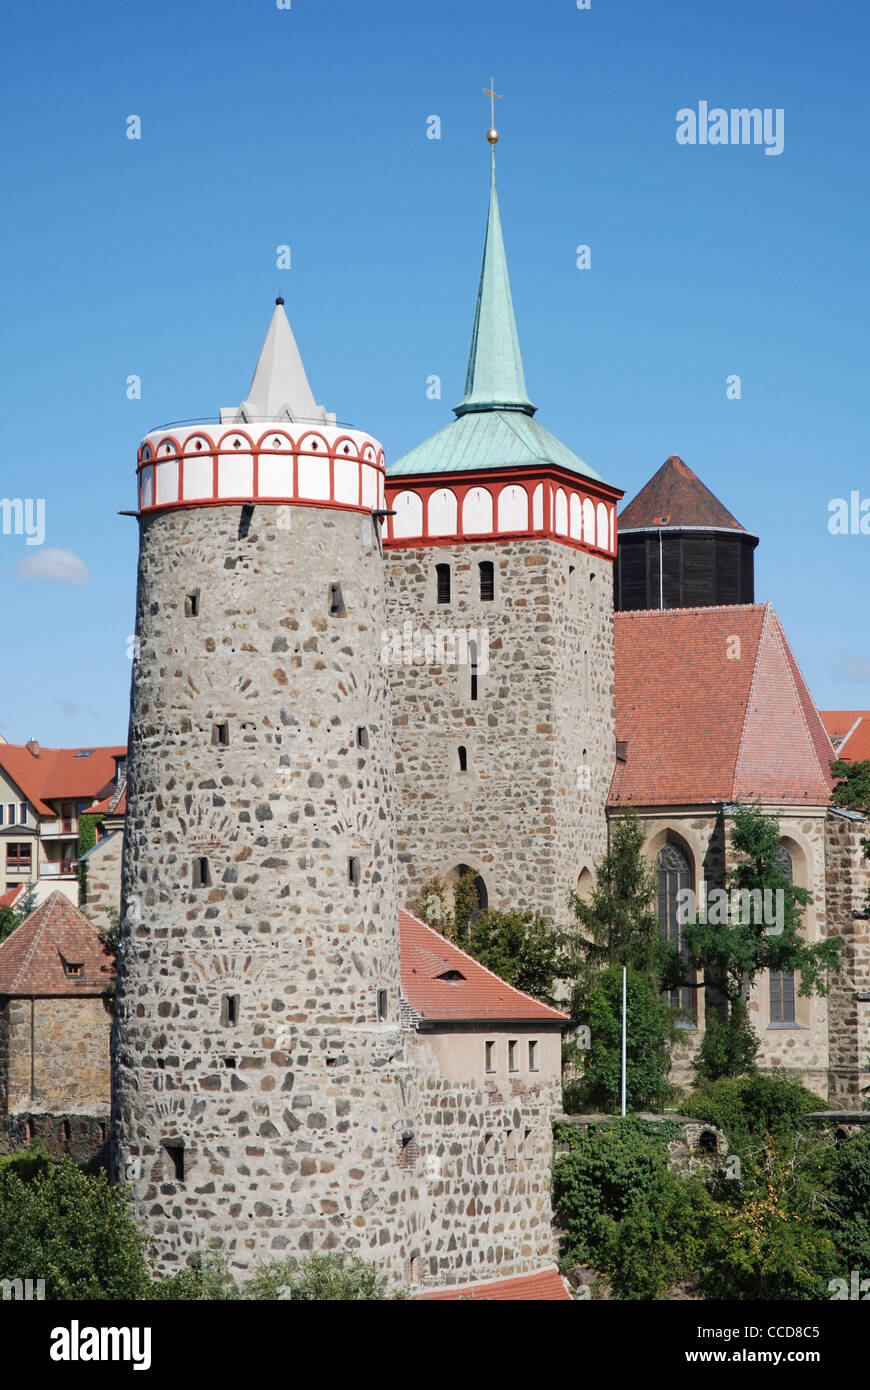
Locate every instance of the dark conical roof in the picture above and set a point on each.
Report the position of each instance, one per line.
(675, 497)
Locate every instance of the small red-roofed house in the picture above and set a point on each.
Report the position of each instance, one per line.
(54, 1033)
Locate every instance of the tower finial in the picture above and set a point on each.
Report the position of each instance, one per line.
(492, 133)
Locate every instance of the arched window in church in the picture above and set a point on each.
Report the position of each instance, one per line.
(673, 873)
(782, 981)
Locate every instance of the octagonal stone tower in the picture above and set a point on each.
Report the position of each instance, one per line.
(258, 1076)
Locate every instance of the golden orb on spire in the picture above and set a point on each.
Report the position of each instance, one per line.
(492, 133)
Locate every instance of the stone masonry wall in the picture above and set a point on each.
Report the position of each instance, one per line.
(528, 812)
(848, 880)
(101, 877)
(58, 1053)
(288, 1118)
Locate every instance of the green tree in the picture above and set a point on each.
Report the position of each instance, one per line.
(70, 1228)
(650, 1027)
(12, 917)
(733, 946)
(619, 925)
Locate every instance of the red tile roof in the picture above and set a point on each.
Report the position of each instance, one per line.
(111, 805)
(32, 959)
(674, 496)
(703, 726)
(57, 773)
(849, 731)
(546, 1285)
(427, 955)
(8, 899)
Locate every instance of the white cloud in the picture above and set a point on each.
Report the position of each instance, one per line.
(62, 566)
(853, 668)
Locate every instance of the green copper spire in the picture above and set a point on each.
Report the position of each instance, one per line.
(494, 380)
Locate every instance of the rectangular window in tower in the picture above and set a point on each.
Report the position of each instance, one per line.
(173, 1161)
(336, 602)
(362, 737)
(442, 578)
(230, 1010)
(353, 871)
(533, 1056)
(220, 735)
(382, 1006)
(201, 874)
(191, 605)
(490, 1056)
(512, 1056)
(472, 659)
(463, 758)
(487, 581)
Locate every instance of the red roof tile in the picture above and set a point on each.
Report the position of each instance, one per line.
(111, 805)
(546, 1285)
(849, 731)
(33, 958)
(57, 773)
(703, 726)
(674, 496)
(8, 899)
(427, 956)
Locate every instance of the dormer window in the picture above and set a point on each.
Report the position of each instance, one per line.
(452, 976)
(72, 968)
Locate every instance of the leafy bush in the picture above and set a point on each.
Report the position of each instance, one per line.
(749, 1107)
(322, 1278)
(611, 1170)
(68, 1228)
(850, 1192)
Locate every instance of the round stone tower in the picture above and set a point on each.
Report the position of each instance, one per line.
(258, 1076)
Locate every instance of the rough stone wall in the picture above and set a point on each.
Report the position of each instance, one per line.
(57, 1053)
(101, 879)
(82, 1137)
(288, 1118)
(848, 880)
(529, 811)
(481, 1201)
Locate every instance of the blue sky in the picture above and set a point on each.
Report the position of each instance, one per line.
(307, 127)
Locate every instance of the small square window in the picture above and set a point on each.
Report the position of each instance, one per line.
(220, 735)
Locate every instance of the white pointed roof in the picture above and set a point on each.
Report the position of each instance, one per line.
(279, 389)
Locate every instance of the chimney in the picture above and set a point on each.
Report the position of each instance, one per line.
(32, 747)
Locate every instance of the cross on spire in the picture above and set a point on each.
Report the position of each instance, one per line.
(494, 96)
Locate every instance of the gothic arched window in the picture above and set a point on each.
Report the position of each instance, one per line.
(673, 873)
(782, 981)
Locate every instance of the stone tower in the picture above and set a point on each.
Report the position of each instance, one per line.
(500, 642)
(258, 988)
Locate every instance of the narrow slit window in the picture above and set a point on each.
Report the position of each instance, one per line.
(201, 874)
(191, 605)
(230, 1010)
(362, 737)
(220, 735)
(337, 608)
(533, 1056)
(442, 576)
(463, 758)
(487, 581)
(353, 871)
(382, 1005)
(174, 1161)
(512, 1055)
(472, 659)
(490, 1056)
